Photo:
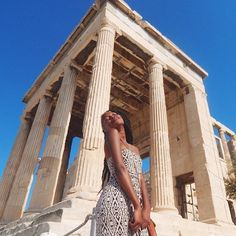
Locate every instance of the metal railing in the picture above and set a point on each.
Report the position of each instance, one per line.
(87, 218)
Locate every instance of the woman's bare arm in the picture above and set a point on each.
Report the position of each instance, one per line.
(143, 187)
(146, 210)
(146, 203)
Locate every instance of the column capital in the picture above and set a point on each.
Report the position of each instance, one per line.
(234, 137)
(191, 88)
(156, 63)
(98, 3)
(106, 24)
(71, 66)
(222, 130)
(222, 133)
(27, 117)
(46, 96)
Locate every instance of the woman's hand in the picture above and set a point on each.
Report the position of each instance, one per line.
(146, 217)
(137, 221)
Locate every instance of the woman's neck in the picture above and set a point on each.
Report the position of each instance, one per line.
(123, 136)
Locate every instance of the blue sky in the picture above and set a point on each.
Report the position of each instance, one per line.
(32, 32)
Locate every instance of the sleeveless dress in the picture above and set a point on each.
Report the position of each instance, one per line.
(114, 209)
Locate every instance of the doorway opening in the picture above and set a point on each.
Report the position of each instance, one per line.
(187, 197)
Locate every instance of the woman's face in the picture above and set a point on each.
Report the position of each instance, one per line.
(111, 120)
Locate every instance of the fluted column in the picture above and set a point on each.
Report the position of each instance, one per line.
(24, 176)
(13, 162)
(89, 163)
(232, 145)
(45, 187)
(99, 90)
(225, 145)
(162, 195)
(63, 170)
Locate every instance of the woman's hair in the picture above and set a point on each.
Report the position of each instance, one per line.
(129, 139)
(105, 174)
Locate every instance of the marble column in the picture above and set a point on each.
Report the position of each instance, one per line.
(63, 170)
(162, 195)
(13, 162)
(232, 145)
(24, 175)
(225, 145)
(90, 158)
(211, 196)
(50, 165)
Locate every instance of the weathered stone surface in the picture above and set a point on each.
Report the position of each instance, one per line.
(58, 219)
(13, 163)
(50, 165)
(212, 204)
(162, 196)
(24, 176)
(90, 156)
(225, 145)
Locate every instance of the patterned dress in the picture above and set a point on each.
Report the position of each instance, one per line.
(114, 209)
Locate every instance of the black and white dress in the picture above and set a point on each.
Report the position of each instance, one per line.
(114, 209)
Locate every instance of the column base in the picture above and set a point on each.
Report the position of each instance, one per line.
(82, 194)
(87, 196)
(216, 221)
(166, 211)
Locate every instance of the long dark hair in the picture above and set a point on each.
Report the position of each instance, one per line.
(129, 139)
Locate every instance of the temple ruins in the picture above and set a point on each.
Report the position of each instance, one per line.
(116, 59)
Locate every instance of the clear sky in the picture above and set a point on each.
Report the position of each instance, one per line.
(32, 31)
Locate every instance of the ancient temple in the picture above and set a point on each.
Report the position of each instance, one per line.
(115, 59)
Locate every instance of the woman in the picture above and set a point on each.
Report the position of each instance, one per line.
(123, 208)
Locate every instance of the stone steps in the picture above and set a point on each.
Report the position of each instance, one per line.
(55, 221)
(46, 229)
